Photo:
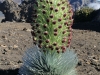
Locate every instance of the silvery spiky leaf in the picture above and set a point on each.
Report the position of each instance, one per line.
(36, 62)
(52, 21)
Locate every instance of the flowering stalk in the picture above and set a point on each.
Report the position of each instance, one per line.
(52, 21)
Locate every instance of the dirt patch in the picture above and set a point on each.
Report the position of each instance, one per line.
(16, 38)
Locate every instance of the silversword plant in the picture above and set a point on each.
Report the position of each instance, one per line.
(52, 21)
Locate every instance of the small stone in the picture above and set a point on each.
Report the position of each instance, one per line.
(3, 36)
(29, 30)
(10, 47)
(15, 47)
(80, 63)
(19, 61)
(3, 45)
(94, 46)
(24, 29)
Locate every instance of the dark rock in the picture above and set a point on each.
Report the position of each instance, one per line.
(14, 12)
(10, 10)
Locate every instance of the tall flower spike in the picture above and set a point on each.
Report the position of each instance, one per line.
(52, 36)
(54, 21)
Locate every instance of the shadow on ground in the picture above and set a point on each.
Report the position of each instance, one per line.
(94, 26)
(9, 72)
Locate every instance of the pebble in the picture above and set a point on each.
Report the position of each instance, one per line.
(24, 29)
(15, 47)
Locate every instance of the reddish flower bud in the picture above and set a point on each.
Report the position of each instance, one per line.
(58, 51)
(47, 1)
(54, 22)
(40, 37)
(70, 34)
(40, 41)
(64, 15)
(37, 25)
(66, 23)
(64, 37)
(63, 51)
(38, 31)
(62, 8)
(55, 33)
(54, 43)
(70, 11)
(57, 48)
(56, 10)
(70, 38)
(59, 19)
(70, 29)
(45, 33)
(44, 12)
(70, 17)
(63, 48)
(64, 40)
(69, 41)
(45, 25)
(55, 30)
(58, 4)
(43, 6)
(48, 20)
(63, 2)
(68, 45)
(47, 41)
(60, 26)
(51, 3)
(50, 46)
(64, 32)
(51, 8)
(51, 16)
